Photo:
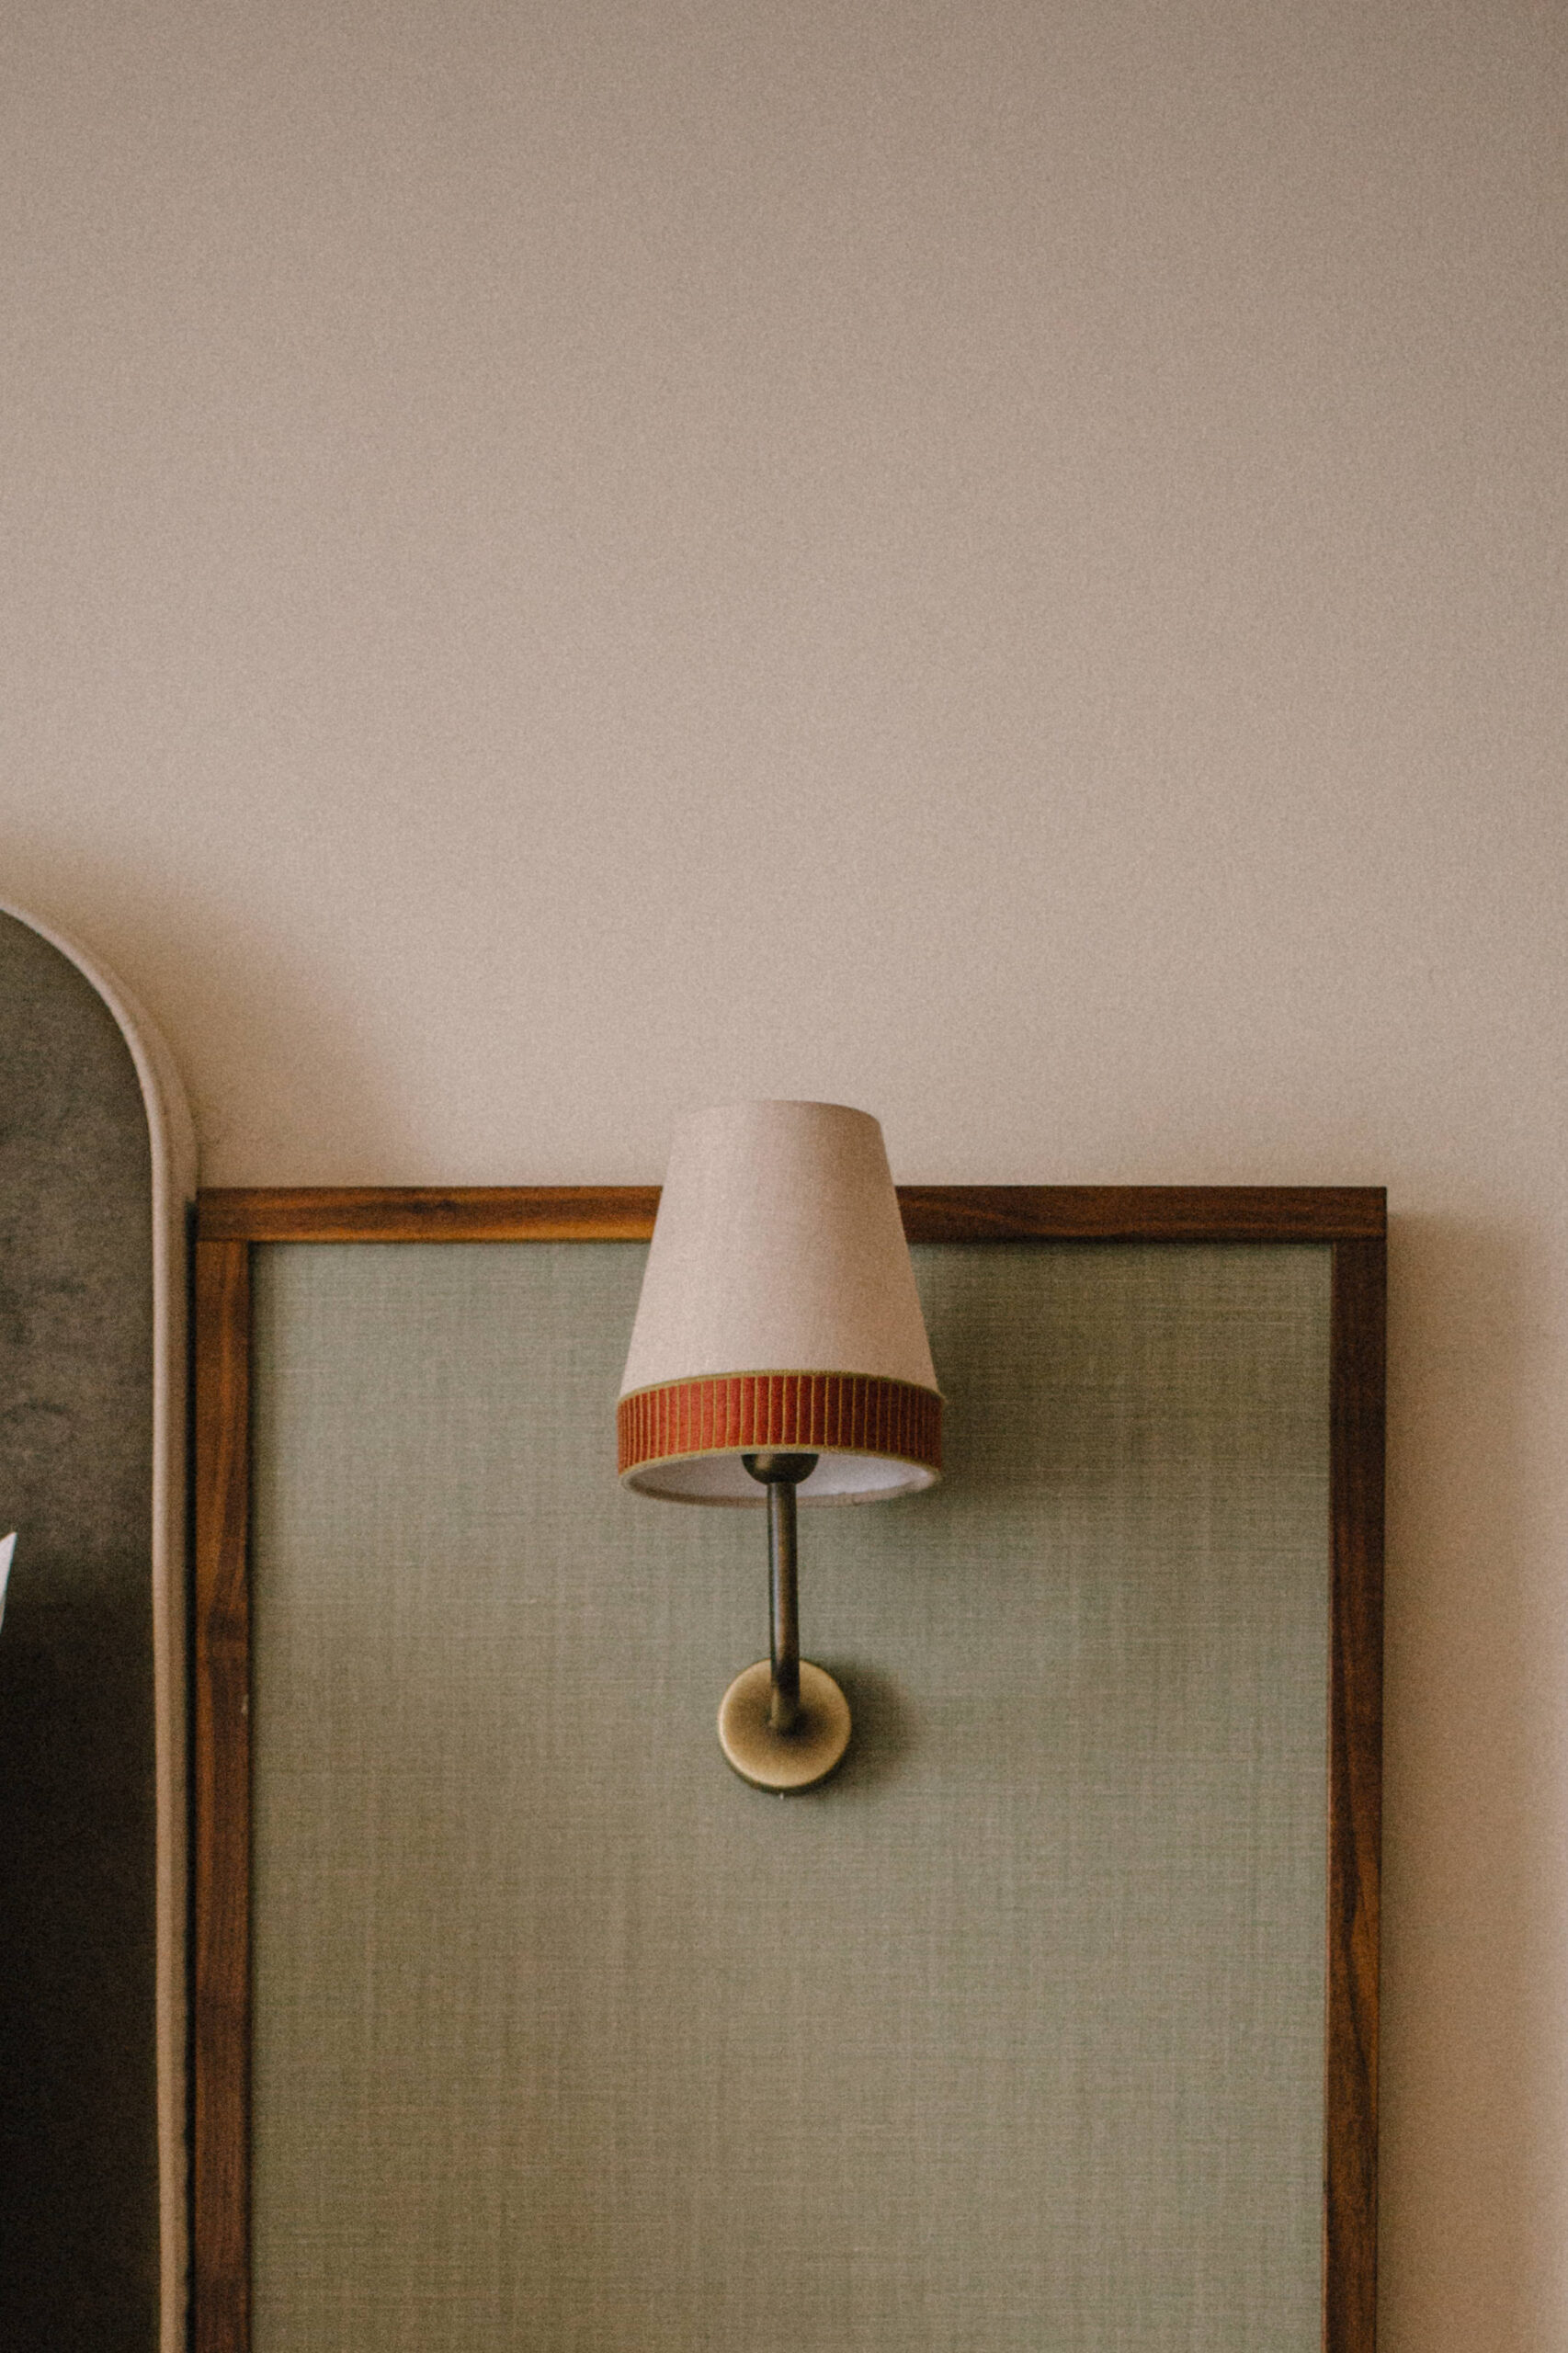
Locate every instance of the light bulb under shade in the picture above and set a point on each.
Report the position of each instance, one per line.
(779, 1312)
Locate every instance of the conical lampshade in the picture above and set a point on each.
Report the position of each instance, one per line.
(778, 1313)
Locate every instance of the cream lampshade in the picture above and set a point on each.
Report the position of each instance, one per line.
(779, 1309)
(780, 1348)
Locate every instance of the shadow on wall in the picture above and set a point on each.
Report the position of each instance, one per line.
(884, 1733)
(214, 971)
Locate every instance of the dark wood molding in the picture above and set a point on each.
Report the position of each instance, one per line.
(221, 1802)
(931, 1213)
(1140, 1212)
(1351, 1218)
(1358, 1355)
(425, 1214)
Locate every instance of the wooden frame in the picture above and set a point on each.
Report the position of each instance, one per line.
(1351, 1220)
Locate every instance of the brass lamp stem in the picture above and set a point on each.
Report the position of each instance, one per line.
(781, 1474)
(783, 1724)
(783, 1608)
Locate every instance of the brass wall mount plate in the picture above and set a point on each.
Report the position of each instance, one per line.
(783, 1761)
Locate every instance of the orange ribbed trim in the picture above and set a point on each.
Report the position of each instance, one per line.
(803, 1413)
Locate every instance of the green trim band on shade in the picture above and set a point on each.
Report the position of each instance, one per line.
(815, 1413)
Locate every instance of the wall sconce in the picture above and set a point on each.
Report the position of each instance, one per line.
(779, 1352)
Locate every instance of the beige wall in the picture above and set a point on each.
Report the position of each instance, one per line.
(998, 562)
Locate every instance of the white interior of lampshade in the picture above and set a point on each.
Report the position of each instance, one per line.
(779, 1244)
(725, 1479)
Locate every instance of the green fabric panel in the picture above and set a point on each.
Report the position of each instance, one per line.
(1009, 2038)
(78, 1822)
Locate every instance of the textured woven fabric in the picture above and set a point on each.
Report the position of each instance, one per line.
(78, 1796)
(1010, 2038)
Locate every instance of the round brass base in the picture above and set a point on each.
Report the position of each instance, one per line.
(785, 1761)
